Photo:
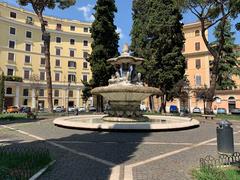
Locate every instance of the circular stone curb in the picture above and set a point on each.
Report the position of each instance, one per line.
(77, 122)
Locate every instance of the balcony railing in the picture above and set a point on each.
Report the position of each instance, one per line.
(14, 78)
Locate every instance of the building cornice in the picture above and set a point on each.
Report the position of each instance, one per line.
(196, 54)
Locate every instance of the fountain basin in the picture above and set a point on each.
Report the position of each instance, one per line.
(156, 123)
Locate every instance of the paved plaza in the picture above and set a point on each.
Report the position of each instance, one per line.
(93, 155)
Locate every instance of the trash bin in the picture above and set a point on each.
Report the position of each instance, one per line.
(225, 137)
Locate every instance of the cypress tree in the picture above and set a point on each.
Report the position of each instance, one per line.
(104, 45)
(228, 64)
(2, 92)
(157, 36)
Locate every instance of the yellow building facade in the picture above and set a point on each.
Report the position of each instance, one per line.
(198, 73)
(22, 58)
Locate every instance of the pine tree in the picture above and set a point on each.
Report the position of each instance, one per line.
(157, 36)
(104, 46)
(39, 6)
(229, 64)
(2, 92)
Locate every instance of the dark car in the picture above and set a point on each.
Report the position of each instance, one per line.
(25, 110)
(173, 109)
(235, 111)
(196, 110)
(92, 109)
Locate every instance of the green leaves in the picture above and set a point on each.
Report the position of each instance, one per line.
(105, 42)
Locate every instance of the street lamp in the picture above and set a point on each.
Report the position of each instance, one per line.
(68, 86)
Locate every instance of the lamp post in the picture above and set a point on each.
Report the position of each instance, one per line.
(68, 86)
(187, 90)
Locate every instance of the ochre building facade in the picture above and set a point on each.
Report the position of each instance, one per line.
(22, 58)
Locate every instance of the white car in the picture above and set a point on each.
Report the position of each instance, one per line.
(143, 107)
(58, 109)
(196, 110)
(81, 109)
(71, 109)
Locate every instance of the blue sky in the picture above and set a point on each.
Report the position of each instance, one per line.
(123, 18)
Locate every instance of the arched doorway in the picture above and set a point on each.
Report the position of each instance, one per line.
(231, 104)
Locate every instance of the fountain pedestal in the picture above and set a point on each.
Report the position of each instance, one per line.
(125, 90)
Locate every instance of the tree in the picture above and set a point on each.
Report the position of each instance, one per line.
(39, 6)
(104, 45)
(228, 64)
(86, 91)
(35, 85)
(202, 93)
(212, 13)
(157, 36)
(2, 92)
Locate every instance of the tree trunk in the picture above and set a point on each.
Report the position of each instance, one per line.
(46, 41)
(163, 104)
(1, 93)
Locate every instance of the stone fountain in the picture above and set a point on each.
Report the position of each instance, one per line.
(124, 95)
(125, 90)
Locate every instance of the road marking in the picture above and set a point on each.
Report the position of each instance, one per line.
(128, 170)
(115, 173)
(110, 142)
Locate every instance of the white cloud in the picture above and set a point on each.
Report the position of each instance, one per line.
(119, 31)
(87, 12)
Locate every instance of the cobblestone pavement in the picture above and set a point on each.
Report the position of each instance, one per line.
(92, 155)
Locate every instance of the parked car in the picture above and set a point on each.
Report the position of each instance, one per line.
(25, 110)
(235, 111)
(58, 109)
(12, 109)
(92, 109)
(81, 109)
(173, 109)
(71, 109)
(143, 107)
(196, 110)
(221, 111)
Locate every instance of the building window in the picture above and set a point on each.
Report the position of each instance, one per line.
(26, 74)
(197, 33)
(57, 77)
(72, 28)
(85, 65)
(28, 47)
(10, 72)
(56, 93)
(13, 15)
(42, 76)
(186, 63)
(197, 46)
(12, 30)
(58, 40)
(25, 102)
(27, 59)
(72, 41)
(43, 61)
(9, 90)
(28, 34)
(25, 92)
(183, 49)
(85, 43)
(41, 92)
(57, 63)
(11, 56)
(71, 78)
(29, 20)
(70, 93)
(85, 29)
(42, 49)
(55, 102)
(85, 55)
(58, 52)
(59, 27)
(198, 80)
(85, 77)
(71, 53)
(72, 64)
(198, 63)
(11, 44)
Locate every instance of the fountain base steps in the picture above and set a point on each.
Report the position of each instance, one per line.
(155, 123)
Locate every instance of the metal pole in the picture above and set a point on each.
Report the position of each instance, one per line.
(68, 99)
